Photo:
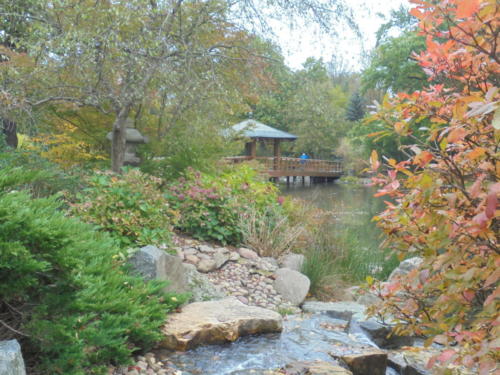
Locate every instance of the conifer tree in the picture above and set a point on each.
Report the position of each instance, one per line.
(355, 109)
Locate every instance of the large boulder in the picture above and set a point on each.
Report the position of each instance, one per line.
(11, 358)
(315, 368)
(293, 261)
(292, 285)
(215, 322)
(200, 287)
(382, 335)
(155, 264)
(368, 362)
(206, 265)
(405, 267)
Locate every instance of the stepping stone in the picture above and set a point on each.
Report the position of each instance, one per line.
(216, 322)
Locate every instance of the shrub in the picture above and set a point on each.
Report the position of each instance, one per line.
(270, 232)
(54, 179)
(210, 206)
(445, 194)
(130, 206)
(85, 311)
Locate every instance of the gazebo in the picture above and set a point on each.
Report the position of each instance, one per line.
(254, 131)
(257, 131)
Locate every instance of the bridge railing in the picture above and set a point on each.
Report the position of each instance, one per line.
(285, 164)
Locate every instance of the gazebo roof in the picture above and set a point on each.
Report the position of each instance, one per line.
(255, 129)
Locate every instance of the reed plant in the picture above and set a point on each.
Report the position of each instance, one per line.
(270, 233)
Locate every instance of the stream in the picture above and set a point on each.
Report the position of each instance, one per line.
(303, 338)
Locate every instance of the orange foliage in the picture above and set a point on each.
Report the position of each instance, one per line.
(445, 197)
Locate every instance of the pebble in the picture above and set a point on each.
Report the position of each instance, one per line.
(238, 277)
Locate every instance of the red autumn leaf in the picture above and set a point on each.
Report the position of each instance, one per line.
(456, 135)
(491, 205)
(416, 13)
(466, 8)
(446, 355)
(469, 295)
(423, 158)
(480, 219)
(476, 187)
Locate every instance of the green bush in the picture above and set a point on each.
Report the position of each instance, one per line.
(210, 207)
(85, 311)
(131, 207)
(54, 179)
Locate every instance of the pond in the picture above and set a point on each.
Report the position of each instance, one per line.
(351, 209)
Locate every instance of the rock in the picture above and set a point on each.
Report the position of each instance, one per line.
(315, 368)
(190, 251)
(216, 322)
(372, 362)
(338, 310)
(200, 286)
(292, 285)
(150, 263)
(368, 299)
(206, 249)
(154, 264)
(11, 358)
(193, 259)
(293, 261)
(405, 267)
(414, 362)
(220, 258)
(179, 253)
(266, 265)
(206, 265)
(247, 253)
(380, 334)
(234, 256)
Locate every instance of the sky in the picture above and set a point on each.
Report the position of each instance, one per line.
(302, 42)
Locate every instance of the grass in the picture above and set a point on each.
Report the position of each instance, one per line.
(337, 256)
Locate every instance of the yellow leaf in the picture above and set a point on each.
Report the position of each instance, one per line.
(476, 153)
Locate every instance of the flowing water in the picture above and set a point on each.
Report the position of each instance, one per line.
(312, 337)
(302, 339)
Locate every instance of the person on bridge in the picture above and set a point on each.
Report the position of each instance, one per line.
(303, 159)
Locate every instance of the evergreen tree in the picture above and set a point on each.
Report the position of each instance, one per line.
(355, 109)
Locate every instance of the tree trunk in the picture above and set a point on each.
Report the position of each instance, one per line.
(118, 140)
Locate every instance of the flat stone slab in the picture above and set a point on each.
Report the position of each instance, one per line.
(315, 368)
(338, 310)
(215, 322)
(373, 362)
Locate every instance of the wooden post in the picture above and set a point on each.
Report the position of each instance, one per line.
(253, 149)
(277, 154)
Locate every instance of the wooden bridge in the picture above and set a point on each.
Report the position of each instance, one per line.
(278, 166)
(294, 167)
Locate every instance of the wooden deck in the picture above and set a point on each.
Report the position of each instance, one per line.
(294, 167)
